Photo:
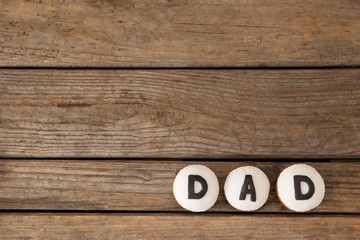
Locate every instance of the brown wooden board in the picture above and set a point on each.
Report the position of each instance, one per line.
(161, 33)
(180, 113)
(176, 226)
(147, 185)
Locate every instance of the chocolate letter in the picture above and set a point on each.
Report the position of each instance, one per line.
(191, 187)
(248, 188)
(297, 185)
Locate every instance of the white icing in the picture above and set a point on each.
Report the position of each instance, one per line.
(234, 183)
(180, 188)
(286, 190)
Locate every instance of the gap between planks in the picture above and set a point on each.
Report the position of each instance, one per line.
(270, 68)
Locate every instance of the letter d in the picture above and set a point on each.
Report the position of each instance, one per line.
(191, 187)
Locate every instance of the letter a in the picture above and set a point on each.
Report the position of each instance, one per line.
(248, 188)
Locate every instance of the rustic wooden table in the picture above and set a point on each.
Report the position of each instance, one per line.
(103, 102)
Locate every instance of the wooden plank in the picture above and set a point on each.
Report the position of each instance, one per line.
(178, 226)
(137, 33)
(180, 113)
(147, 185)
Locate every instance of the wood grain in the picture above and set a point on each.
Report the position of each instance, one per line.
(180, 113)
(177, 33)
(147, 185)
(179, 226)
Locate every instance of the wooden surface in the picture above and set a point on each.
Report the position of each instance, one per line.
(176, 33)
(176, 226)
(147, 185)
(103, 102)
(180, 113)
